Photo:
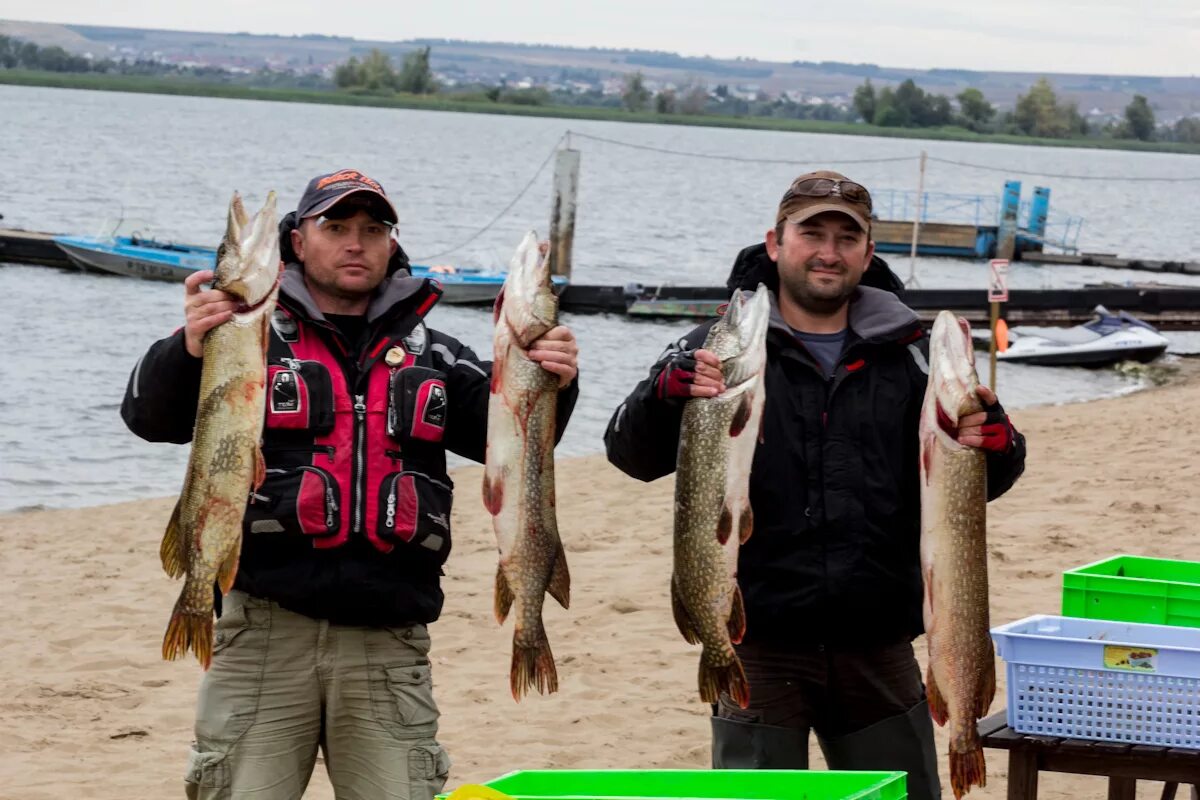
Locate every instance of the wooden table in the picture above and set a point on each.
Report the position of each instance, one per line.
(1123, 764)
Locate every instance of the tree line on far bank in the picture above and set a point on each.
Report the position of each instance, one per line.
(1039, 112)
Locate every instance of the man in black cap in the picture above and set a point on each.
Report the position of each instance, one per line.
(830, 576)
(322, 643)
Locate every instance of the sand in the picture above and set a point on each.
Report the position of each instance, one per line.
(89, 709)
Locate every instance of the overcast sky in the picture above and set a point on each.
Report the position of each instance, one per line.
(1138, 37)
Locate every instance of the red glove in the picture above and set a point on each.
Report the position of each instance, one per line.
(674, 382)
(997, 430)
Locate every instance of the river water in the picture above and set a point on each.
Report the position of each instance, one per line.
(76, 161)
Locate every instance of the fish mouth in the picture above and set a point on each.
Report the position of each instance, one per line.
(249, 308)
(945, 421)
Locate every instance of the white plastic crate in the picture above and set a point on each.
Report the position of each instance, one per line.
(1110, 681)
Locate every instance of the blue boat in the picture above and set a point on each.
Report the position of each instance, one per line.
(165, 261)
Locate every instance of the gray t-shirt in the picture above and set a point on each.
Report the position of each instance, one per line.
(826, 348)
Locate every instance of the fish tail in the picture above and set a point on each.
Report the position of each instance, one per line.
(532, 664)
(189, 629)
(967, 769)
(727, 677)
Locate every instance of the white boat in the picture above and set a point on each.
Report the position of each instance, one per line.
(1106, 339)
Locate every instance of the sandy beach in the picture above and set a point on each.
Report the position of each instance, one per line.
(90, 710)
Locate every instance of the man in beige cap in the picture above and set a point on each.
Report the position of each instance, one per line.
(830, 576)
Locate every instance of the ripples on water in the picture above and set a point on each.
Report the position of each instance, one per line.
(70, 340)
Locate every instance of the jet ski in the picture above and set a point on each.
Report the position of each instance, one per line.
(1107, 339)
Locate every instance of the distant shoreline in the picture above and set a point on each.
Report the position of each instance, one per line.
(152, 85)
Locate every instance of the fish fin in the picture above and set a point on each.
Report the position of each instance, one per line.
(745, 524)
(172, 548)
(725, 524)
(503, 596)
(987, 689)
(937, 703)
(966, 770)
(729, 678)
(737, 617)
(229, 568)
(493, 493)
(260, 468)
(188, 630)
(683, 620)
(560, 579)
(532, 667)
(741, 416)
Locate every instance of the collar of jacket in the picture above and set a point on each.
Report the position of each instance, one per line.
(391, 293)
(875, 316)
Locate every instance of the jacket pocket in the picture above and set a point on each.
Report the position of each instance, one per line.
(303, 500)
(299, 396)
(415, 509)
(417, 405)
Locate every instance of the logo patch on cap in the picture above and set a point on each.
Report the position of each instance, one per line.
(349, 175)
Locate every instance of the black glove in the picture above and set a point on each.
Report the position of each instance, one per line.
(997, 430)
(674, 382)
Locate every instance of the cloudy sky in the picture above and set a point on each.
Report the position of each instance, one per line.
(1139, 37)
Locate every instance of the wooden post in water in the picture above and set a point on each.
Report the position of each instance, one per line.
(912, 255)
(562, 211)
(992, 347)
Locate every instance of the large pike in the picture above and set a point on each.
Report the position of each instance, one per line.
(961, 679)
(717, 440)
(204, 537)
(518, 479)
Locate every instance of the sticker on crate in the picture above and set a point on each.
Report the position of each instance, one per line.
(1134, 659)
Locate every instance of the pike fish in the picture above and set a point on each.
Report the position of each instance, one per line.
(717, 440)
(203, 540)
(961, 680)
(518, 478)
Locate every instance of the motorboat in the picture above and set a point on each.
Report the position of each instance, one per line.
(1107, 339)
(138, 257)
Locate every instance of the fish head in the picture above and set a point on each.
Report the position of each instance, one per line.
(248, 257)
(951, 392)
(526, 302)
(739, 337)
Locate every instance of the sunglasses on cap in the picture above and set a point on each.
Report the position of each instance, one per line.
(829, 187)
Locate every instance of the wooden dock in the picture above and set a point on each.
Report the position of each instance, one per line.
(1165, 308)
(31, 247)
(1113, 261)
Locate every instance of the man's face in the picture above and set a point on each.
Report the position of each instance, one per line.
(821, 260)
(346, 258)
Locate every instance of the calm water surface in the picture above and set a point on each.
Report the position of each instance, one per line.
(83, 159)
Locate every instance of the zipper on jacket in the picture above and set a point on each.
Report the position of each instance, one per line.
(356, 479)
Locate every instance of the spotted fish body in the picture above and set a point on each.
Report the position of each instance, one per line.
(717, 440)
(518, 481)
(203, 540)
(961, 680)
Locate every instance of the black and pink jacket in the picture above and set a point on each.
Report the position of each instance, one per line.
(352, 523)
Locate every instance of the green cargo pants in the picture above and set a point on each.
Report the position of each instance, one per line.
(283, 685)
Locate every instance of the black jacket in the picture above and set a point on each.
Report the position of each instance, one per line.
(834, 554)
(352, 522)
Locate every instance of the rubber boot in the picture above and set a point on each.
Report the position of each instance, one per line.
(749, 745)
(903, 743)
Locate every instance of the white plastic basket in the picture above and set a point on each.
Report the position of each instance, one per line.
(1109, 681)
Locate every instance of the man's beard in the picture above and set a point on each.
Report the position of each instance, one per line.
(822, 300)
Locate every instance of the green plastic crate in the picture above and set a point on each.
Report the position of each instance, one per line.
(1128, 588)
(727, 784)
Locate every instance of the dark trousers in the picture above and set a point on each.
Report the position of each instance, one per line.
(834, 692)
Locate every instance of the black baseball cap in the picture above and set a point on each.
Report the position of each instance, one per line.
(325, 191)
